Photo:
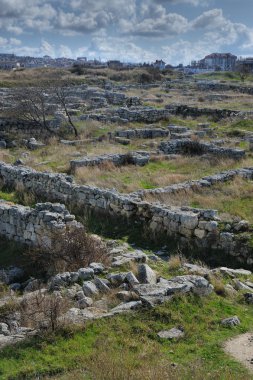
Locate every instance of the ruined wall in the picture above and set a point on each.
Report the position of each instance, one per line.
(134, 158)
(212, 86)
(199, 228)
(207, 181)
(214, 113)
(33, 226)
(188, 146)
(145, 133)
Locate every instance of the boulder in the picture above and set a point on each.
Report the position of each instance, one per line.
(197, 284)
(85, 274)
(235, 272)
(90, 289)
(127, 296)
(238, 285)
(101, 285)
(126, 307)
(146, 275)
(131, 279)
(173, 333)
(4, 329)
(152, 301)
(231, 321)
(98, 268)
(117, 279)
(248, 298)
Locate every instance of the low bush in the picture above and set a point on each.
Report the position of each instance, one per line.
(69, 251)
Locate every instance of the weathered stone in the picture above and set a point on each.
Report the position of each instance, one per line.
(146, 275)
(4, 329)
(86, 274)
(248, 298)
(231, 321)
(127, 296)
(90, 289)
(116, 279)
(126, 307)
(238, 285)
(173, 333)
(98, 268)
(131, 279)
(101, 285)
(236, 272)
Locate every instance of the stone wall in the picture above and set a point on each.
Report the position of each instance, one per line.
(172, 131)
(214, 86)
(145, 133)
(188, 146)
(34, 226)
(194, 227)
(125, 115)
(214, 113)
(13, 127)
(131, 158)
(208, 181)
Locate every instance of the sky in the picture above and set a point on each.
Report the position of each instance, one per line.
(177, 31)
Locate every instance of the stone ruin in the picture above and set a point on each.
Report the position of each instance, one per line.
(188, 146)
(207, 181)
(34, 227)
(139, 158)
(198, 228)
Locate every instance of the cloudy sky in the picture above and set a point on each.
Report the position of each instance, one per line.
(177, 31)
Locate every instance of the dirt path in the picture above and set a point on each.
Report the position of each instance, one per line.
(241, 348)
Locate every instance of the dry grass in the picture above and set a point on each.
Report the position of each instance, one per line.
(218, 284)
(158, 173)
(174, 262)
(126, 178)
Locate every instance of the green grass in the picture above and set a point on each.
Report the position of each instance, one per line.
(246, 124)
(234, 198)
(226, 76)
(124, 347)
(8, 196)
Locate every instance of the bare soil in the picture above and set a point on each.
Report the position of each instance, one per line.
(241, 348)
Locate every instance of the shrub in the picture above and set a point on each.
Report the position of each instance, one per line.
(43, 310)
(69, 251)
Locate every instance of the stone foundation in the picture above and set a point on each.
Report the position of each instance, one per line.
(194, 227)
(131, 158)
(36, 226)
(188, 146)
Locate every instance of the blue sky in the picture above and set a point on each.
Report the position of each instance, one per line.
(177, 31)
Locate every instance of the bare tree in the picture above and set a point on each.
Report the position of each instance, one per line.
(37, 104)
(61, 95)
(243, 71)
(31, 104)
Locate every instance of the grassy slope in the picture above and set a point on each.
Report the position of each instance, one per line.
(127, 347)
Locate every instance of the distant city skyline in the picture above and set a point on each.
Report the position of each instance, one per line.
(177, 31)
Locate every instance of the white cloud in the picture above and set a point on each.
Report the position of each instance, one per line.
(15, 42)
(192, 2)
(155, 21)
(120, 48)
